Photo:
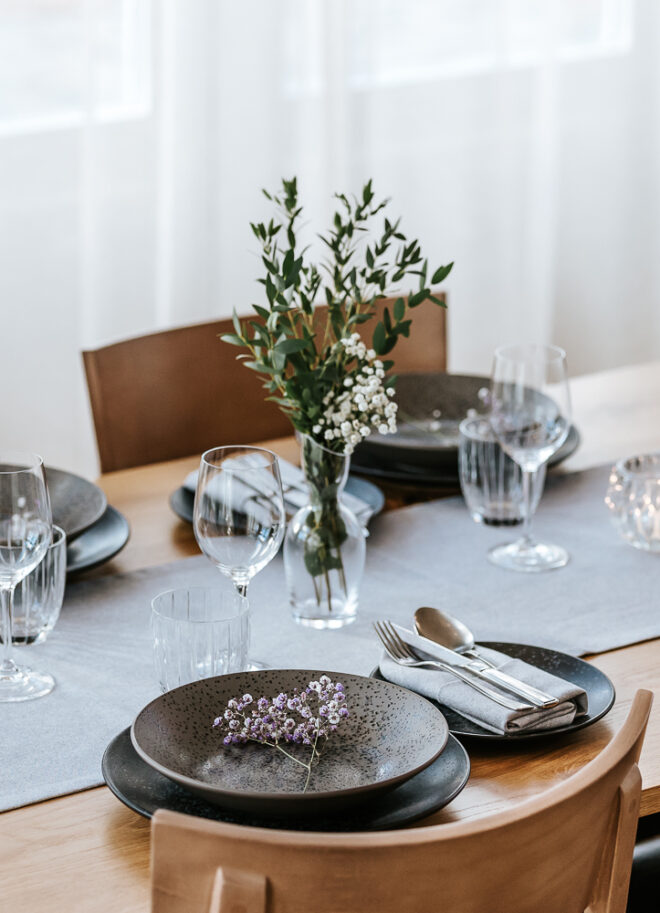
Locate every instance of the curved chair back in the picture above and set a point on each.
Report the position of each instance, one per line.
(179, 392)
(568, 850)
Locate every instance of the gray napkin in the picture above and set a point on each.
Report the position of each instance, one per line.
(295, 491)
(456, 694)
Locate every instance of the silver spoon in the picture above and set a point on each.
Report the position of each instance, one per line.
(451, 633)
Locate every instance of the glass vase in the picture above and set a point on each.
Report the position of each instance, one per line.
(324, 547)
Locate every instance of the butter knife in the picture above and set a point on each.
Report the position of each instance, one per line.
(481, 669)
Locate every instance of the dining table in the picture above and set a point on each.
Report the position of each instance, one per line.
(87, 851)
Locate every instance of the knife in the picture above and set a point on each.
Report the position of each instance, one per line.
(480, 669)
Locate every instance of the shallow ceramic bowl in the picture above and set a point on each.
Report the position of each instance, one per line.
(431, 408)
(391, 735)
(75, 502)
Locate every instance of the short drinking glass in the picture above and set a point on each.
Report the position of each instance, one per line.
(491, 482)
(198, 632)
(38, 597)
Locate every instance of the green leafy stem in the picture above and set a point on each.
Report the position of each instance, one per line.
(294, 348)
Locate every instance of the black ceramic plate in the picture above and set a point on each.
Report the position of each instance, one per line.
(99, 543)
(444, 475)
(75, 502)
(425, 446)
(389, 735)
(144, 790)
(599, 689)
(182, 500)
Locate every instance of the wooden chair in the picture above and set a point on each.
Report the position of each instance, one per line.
(568, 850)
(178, 392)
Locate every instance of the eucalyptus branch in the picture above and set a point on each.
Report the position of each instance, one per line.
(303, 364)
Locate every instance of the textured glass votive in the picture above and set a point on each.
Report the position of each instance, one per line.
(491, 481)
(633, 497)
(198, 632)
(38, 597)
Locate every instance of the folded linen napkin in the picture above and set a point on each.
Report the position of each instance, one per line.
(456, 694)
(295, 491)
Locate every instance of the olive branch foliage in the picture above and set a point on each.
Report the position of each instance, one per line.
(285, 342)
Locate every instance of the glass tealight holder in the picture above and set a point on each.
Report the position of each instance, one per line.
(198, 632)
(633, 497)
(491, 481)
(38, 597)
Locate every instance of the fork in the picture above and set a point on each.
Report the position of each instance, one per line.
(403, 654)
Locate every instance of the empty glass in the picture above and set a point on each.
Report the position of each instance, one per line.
(239, 518)
(198, 632)
(633, 497)
(491, 481)
(38, 597)
(25, 534)
(531, 417)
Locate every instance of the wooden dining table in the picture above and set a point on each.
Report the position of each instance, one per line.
(87, 851)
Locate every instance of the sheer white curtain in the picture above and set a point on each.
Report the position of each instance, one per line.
(519, 138)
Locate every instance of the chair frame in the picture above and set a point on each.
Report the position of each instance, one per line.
(181, 391)
(202, 866)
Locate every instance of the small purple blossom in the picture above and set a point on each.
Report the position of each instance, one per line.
(303, 717)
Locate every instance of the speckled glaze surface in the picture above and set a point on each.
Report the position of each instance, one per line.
(144, 790)
(76, 503)
(431, 407)
(391, 735)
(597, 685)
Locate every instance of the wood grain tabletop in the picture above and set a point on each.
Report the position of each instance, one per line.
(87, 851)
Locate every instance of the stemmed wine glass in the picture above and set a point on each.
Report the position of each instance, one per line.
(239, 518)
(531, 417)
(25, 534)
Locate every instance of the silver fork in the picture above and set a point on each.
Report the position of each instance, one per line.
(402, 653)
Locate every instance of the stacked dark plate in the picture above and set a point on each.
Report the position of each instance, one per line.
(95, 531)
(392, 763)
(424, 450)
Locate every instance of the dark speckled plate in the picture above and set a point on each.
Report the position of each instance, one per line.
(390, 735)
(424, 449)
(75, 502)
(144, 790)
(599, 689)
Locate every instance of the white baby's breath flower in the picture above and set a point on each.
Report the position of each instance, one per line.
(359, 402)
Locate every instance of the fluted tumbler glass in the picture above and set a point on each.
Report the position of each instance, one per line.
(198, 632)
(38, 597)
(491, 482)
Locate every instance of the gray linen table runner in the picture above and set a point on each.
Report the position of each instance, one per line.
(428, 554)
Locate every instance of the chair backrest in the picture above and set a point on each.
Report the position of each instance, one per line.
(565, 851)
(178, 392)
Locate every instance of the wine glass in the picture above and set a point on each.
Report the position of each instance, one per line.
(531, 417)
(239, 518)
(25, 534)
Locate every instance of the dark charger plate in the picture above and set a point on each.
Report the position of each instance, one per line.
(99, 543)
(598, 687)
(144, 790)
(424, 449)
(182, 501)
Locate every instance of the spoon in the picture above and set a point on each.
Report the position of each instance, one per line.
(451, 633)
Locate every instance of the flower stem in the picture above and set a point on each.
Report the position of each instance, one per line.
(309, 768)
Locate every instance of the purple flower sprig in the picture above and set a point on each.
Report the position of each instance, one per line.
(305, 717)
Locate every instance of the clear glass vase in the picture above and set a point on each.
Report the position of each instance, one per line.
(324, 547)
